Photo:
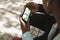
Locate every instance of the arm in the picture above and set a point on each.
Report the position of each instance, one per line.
(26, 30)
(53, 7)
(56, 10)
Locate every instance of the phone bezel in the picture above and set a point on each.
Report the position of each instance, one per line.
(23, 14)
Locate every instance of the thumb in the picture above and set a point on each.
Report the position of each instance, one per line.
(22, 22)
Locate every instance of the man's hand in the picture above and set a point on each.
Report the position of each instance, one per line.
(24, 26)
(32, 6)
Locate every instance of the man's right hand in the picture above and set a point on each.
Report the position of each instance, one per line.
(32, 6)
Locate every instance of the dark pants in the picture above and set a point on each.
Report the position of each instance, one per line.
(43, 22)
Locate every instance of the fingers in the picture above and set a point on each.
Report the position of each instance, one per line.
(32, 6)
(22, 23)
(23, 26)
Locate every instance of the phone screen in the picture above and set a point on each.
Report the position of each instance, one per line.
(26, 14)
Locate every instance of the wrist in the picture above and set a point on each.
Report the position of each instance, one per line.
(26, 30)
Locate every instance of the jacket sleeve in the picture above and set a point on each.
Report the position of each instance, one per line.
(27, 36)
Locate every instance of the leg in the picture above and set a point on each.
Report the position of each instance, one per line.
(43, 22)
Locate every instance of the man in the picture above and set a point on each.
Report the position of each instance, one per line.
(42, 21)
(50, 6)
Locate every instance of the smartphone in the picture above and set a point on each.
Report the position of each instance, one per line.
(26, 14)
